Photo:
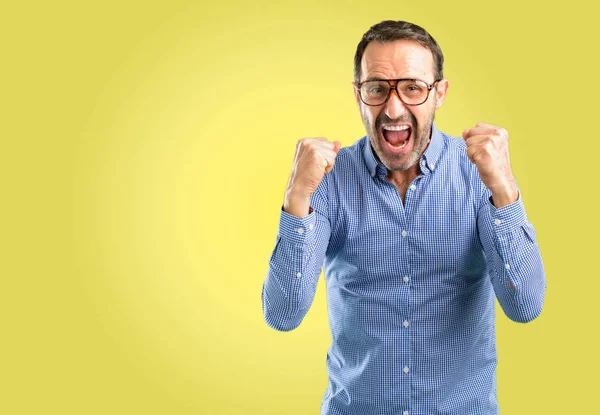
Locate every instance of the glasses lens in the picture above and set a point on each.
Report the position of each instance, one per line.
(412, 92)
(374, 92)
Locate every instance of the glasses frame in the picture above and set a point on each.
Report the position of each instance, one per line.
(394, 87)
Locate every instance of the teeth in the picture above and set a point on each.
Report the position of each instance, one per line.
(395, 127)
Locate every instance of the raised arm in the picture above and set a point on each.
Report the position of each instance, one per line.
(508, 239)
(302, 239)
(514, 259)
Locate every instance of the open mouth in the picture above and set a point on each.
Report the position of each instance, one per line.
(397, 136)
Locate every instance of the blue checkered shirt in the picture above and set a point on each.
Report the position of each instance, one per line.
(410, 286)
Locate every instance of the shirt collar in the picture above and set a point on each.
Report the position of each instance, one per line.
(428, 161)
(434, 149)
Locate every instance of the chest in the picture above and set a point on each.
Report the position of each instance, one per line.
(425, 224)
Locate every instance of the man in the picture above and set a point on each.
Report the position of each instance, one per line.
(419, 232)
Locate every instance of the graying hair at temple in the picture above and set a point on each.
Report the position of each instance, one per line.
(390, 31)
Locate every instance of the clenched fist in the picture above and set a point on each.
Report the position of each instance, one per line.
(314, 158)
(487, 148)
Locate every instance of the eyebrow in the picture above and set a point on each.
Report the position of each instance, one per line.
(375, 78)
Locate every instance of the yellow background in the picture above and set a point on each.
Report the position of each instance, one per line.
(145, 151)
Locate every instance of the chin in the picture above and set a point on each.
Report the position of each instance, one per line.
(401, 166)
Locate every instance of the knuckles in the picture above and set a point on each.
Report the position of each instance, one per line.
(307, 142)
(500, 134)
(495, 130)
(314, 144)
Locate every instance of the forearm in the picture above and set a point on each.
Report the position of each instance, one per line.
(297, 203)
(294, 269)
(505, 194)
(514, 259)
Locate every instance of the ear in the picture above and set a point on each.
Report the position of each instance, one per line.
(356, 96)
(440, 93)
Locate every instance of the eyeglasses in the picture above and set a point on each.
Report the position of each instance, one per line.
(410, 91)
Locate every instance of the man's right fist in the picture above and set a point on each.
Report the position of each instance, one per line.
(314, 158)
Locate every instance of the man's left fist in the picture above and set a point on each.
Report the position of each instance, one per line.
(487, 148)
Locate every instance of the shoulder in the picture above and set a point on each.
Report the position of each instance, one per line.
(454, 144)
(349, 172)
(458, 164)
(353, 153)
(456, 151)
(350, 160)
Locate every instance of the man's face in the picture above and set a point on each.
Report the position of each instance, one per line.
(399, 150)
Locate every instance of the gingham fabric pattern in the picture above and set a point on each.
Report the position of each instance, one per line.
(410, 287)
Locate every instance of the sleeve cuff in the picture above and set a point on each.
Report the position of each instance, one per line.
(509, 217)
(296, 230)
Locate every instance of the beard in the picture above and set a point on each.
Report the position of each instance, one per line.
(420, 135)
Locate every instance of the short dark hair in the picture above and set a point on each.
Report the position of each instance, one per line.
(390, 31)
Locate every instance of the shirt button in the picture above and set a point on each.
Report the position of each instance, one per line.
(404, 233)
(311, 226)
(298, 275)
(413, 187)
(405, 370)
(405, 413)
(405, 279)
(497, 221)
(300, 230)
(507, 266)
(433, 165)
(406, 323)
(373, 174)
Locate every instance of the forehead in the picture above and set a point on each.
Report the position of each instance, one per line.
(398, 59)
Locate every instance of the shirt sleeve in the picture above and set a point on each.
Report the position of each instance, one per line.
(295, 264)
(514, 260)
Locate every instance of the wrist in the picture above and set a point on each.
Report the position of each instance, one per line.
(505, 194)
(296, 203)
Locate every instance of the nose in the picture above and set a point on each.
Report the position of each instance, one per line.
(394, 107)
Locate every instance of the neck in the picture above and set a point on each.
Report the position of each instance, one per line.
(403, 177)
